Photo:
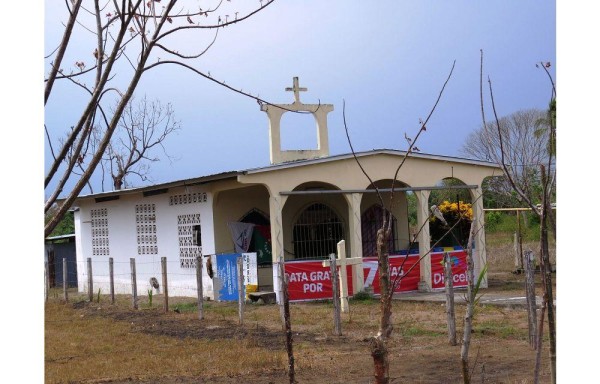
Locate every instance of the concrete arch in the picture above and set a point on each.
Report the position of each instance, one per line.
(459, 199)
(232, 204)
(450, 194)
(399, 209)
(316, 230)
(255, 212)
(296, 204)
(460, 236)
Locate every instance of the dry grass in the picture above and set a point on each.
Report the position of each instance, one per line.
(82, 346)
(101, 343)
(501, 253)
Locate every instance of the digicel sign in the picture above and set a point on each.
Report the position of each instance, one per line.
(459, 269)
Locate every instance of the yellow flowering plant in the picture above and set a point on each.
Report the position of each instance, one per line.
(452, 213)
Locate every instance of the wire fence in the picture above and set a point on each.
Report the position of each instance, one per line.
(135, 278)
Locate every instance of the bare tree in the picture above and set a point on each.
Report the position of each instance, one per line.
(128, 39)
(525, 141)
(548, 177)
(143, 127)
(378, 343)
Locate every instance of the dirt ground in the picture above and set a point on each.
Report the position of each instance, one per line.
(419, 349)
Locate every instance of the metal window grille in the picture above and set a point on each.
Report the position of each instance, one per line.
(317, 232)
(371, 221)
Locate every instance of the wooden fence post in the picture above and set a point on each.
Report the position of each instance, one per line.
(530, 295)
(337, 320)
(65, 281)
(90, 280)
(280, 282)
(516, 251)
(199, 287)
(289, 340)
(163, 264)
(468, 324)
(518, 247)
(112, 280)
(46, 281)
(133, 284)
(449, 285)
(521, 261)
(240, 285)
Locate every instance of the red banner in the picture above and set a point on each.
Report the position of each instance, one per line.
(459, 269)
(310, 280)
(399, 265)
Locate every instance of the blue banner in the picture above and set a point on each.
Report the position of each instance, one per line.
(227, 274)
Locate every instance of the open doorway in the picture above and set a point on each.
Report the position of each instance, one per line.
(261, 244)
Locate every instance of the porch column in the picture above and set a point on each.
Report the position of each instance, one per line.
(479, 254)
(79, 255)
(356, 240)
(424, 239)
(275, 212)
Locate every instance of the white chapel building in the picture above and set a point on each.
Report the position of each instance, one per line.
(300, 206)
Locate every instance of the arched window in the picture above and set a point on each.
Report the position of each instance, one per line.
(255, 216)
(371, 221)
(317, 232)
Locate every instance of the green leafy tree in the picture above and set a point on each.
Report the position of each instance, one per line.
(65, 227)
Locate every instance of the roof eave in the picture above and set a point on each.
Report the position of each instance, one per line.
(172, 184)
(298, 163)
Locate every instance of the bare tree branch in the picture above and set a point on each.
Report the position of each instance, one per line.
(127, 26)
(421, 130)
(61, 50)
(378, 348)
(143, 126)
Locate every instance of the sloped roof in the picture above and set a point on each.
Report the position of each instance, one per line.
(178, 183)
(274, 167)
(393, 152)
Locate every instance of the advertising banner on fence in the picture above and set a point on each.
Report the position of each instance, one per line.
(459, 269)
(399, 266)
(310, 280)
(226, 277)
(250, 272)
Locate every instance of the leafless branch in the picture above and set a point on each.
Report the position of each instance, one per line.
(362, 169)
(414, 141)
(61, 50)
(223, 84)
(128, 26)
(507, 171)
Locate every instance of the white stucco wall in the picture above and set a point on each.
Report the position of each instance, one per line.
(123, 244)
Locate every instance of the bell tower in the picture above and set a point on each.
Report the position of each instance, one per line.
(274, 113)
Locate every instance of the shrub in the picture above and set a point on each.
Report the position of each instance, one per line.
(492, 219)
(362, 296)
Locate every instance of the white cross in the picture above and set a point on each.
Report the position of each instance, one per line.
(341, 262)
(296, 89)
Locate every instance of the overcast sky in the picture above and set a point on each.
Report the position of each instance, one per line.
(387, 61)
